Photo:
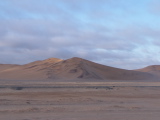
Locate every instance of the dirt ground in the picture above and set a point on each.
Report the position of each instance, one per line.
(80, 103)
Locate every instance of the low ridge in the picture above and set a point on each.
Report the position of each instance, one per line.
(153, 69)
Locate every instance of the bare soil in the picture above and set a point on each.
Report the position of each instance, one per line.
(80, 101)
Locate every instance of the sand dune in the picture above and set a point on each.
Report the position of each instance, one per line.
(74, 68)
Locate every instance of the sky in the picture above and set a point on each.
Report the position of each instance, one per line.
(118, 33)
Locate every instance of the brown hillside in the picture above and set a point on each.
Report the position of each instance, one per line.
(74, 68)
(6, 66)
(154, 69)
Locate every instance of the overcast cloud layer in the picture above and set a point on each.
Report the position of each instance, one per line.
(118, 33)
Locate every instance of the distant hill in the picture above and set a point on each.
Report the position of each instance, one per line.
(153, 69)
(74, 68)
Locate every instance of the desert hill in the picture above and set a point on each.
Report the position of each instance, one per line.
(153, 69)
(74, 68)
(6, 66)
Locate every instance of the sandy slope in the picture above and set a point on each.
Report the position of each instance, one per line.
(74, 68)
(35, 70)
(6, 66)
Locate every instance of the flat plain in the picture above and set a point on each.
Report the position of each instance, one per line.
(79, 100)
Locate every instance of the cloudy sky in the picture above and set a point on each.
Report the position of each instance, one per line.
(118, 33)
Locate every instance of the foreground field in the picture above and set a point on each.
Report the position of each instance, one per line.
(80, 101)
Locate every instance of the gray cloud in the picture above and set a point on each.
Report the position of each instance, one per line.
(30, 43)
(34, 31)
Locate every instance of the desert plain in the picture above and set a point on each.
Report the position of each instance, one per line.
(46, 100)
(78, 89)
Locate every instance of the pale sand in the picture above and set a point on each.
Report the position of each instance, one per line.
(80, 101)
